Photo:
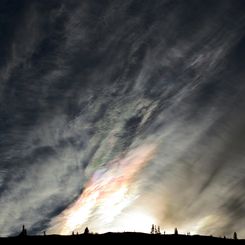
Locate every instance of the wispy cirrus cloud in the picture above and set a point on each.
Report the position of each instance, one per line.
(83, 83)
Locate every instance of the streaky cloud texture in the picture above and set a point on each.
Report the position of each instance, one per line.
(122, 110)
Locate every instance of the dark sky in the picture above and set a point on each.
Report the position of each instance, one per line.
(132, 106)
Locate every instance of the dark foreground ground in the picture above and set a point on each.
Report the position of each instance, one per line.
(118, 238)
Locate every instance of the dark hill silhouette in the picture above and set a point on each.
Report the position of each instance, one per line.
(121, 238)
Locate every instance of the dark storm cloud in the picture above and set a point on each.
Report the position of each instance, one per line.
(83, 81)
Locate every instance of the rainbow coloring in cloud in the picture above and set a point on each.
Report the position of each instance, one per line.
(109, 191)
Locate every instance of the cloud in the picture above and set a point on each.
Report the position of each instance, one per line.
(85, 83)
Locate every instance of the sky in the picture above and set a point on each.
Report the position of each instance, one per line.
(117, 115)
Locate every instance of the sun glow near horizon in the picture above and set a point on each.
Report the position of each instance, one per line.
(135, 221)
(109, 192)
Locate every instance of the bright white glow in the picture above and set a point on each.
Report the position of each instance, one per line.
(81, 214)
(136, 221)
(114, 204)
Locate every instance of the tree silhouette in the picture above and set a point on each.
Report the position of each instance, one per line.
(23, 232)
(86, 231)
(155, 230)
(176, 231)
(158, 230)
(152, 229)
(235, 236)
